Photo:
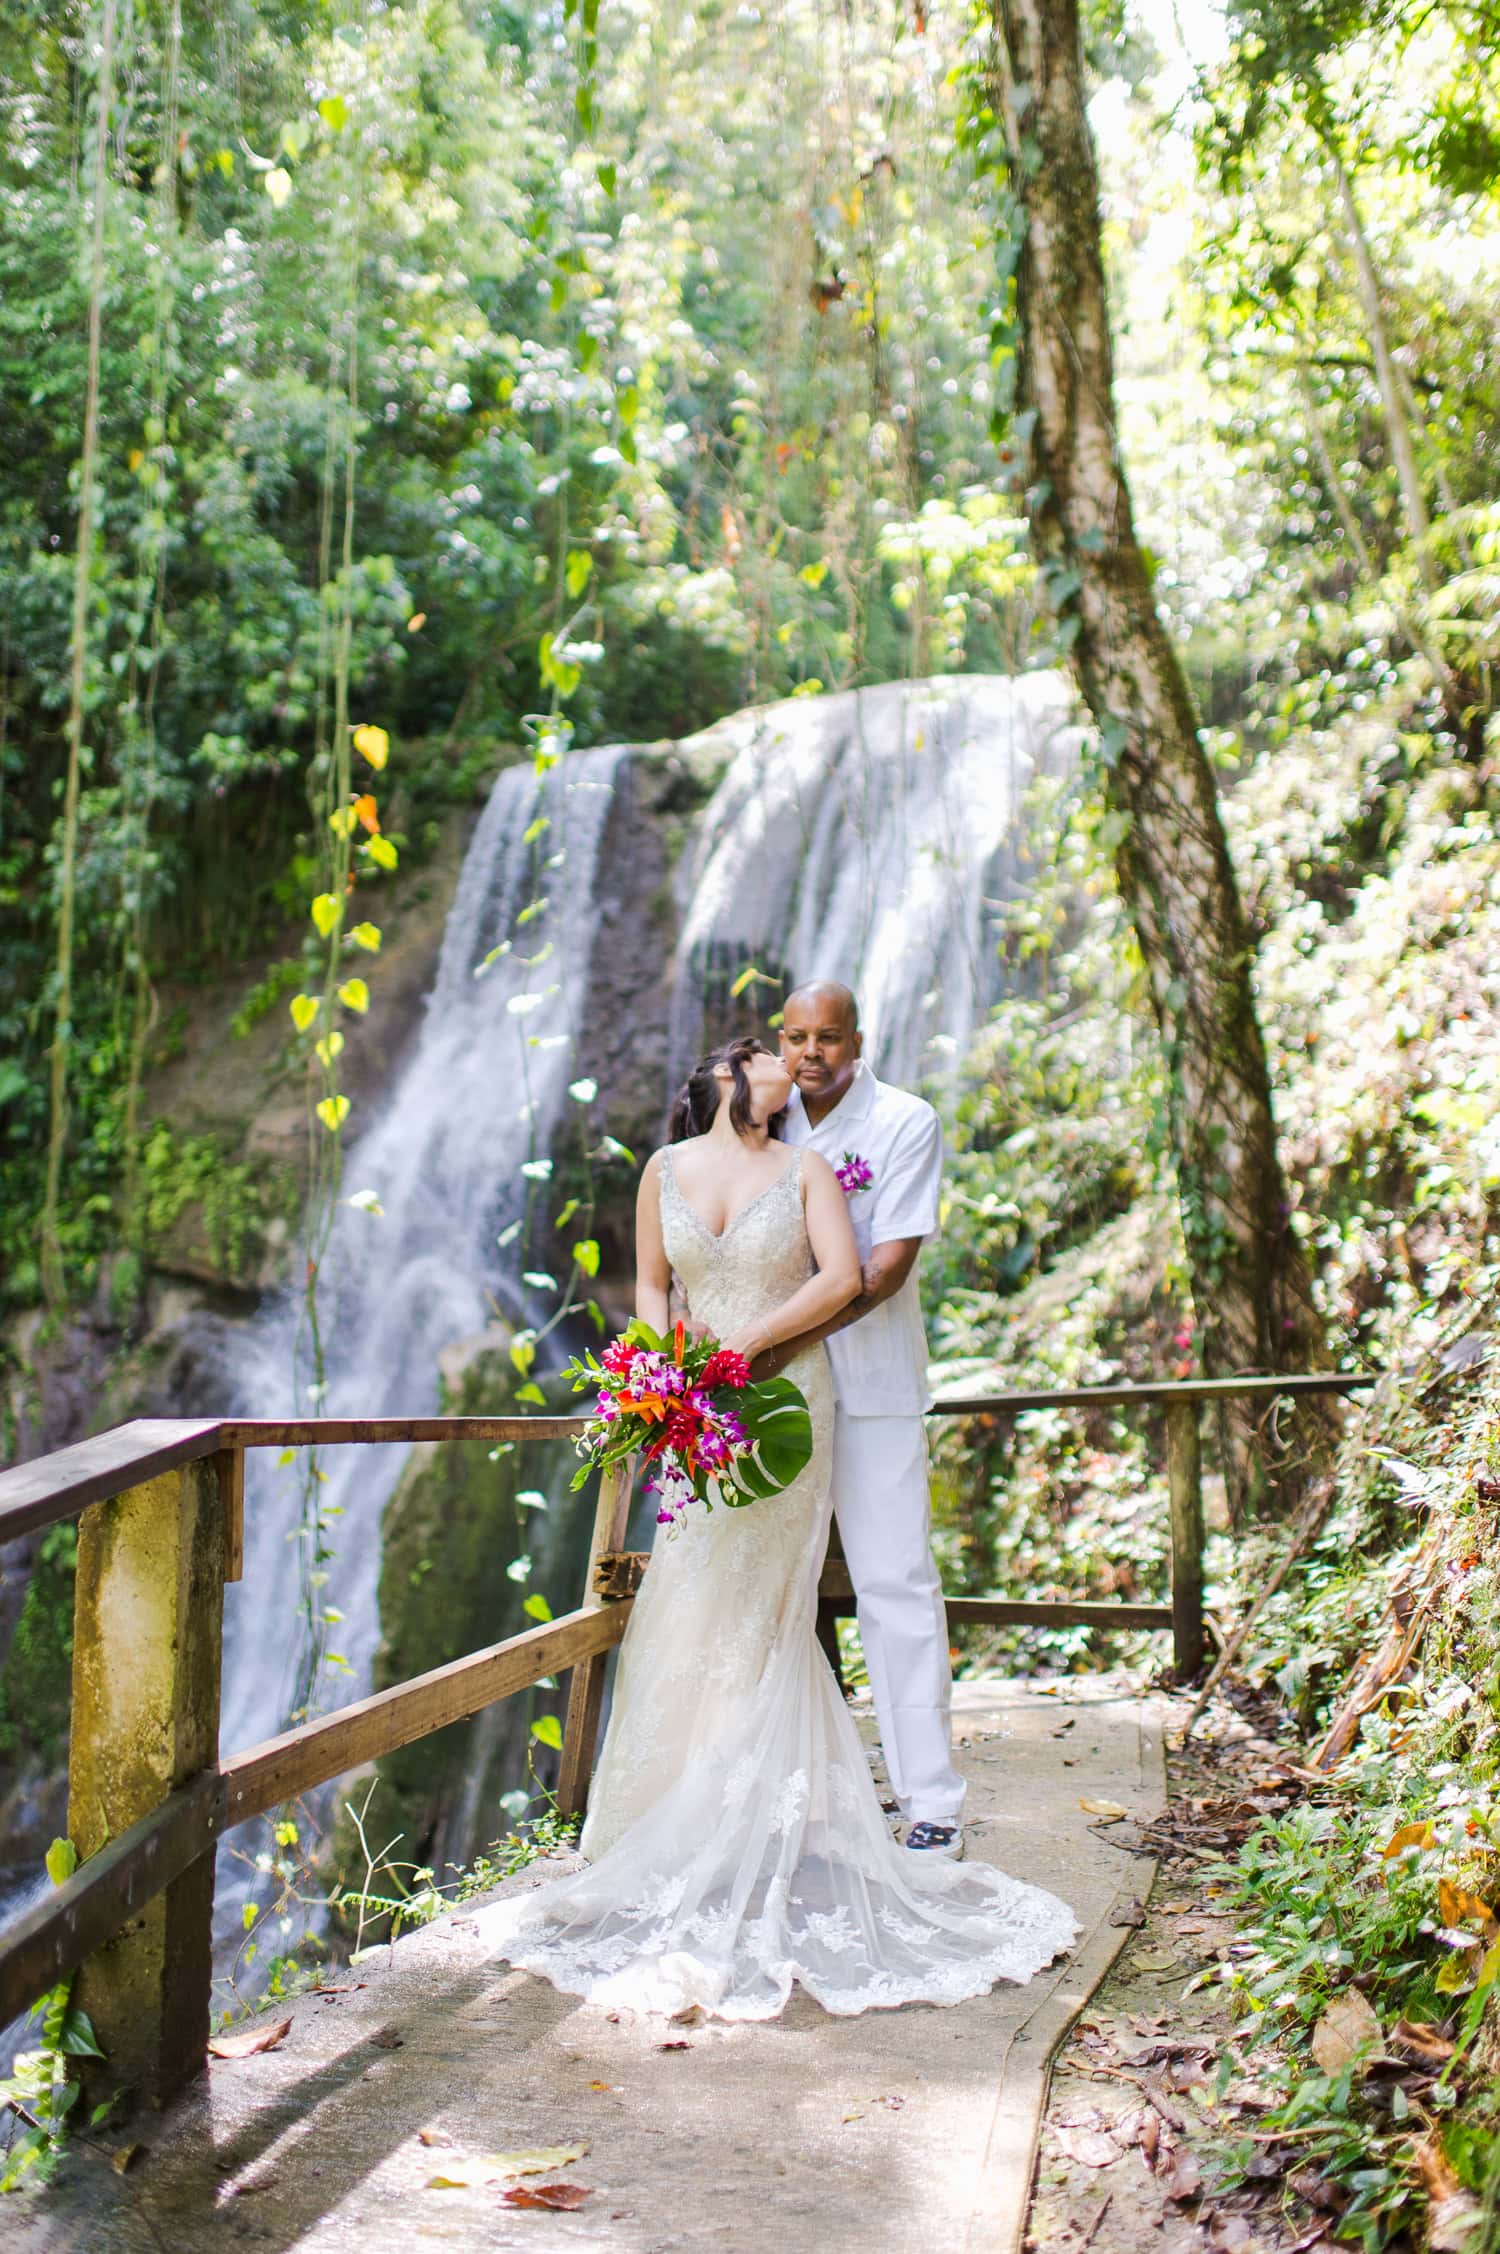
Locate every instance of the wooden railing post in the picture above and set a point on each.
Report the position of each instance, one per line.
(1185, 1491)
(586, 1688)
(147, 1642)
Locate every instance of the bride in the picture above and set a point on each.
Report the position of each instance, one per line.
(734, 1842)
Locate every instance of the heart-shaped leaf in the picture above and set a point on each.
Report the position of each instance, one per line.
(304, 1008)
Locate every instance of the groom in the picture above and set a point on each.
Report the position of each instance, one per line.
(887, 1146)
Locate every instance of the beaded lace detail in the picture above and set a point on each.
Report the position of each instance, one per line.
(734, 1842)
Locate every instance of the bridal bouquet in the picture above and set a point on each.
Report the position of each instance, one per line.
(691, 1409)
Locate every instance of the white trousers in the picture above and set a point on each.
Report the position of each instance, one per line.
(881, 1502)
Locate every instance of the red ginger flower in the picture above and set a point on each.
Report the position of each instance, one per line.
(618, 1356)
(725, 1368)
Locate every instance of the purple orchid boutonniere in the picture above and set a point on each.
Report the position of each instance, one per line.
(854, 1176)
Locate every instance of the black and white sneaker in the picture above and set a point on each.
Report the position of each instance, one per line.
(946, 1840)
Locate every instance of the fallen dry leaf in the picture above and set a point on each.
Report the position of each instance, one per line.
(851, 2117)
(1109, 1810)
(545, 2195)
(1347, 2031)
(1407, 1835)
(1457, 1907)
(1421, 2043)
(1186, 2179)
(539, 2162)
(249, 2041)
(1090, 2148)
(125, 2156)
(1129, 1913)
(1148, 2134)
(689, 2016)
(601, 2085)
(434, 2136)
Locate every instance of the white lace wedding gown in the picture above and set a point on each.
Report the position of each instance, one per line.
(734, 1842)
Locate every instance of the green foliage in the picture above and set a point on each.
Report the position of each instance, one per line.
(36, 1680)
(37, 2096)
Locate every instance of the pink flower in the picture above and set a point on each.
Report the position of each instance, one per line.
(618, 1356)
(854, 1175)
(725, 1368)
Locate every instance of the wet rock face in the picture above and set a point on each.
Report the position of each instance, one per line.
(625, 1034)
(463, 1517)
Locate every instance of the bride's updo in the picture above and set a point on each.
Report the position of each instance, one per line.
(696, 1104)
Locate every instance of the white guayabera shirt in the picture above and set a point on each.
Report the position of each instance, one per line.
(880, 1362)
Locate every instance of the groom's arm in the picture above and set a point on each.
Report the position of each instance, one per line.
(881, 1278)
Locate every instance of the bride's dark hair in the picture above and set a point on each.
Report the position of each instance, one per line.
(696, 1104)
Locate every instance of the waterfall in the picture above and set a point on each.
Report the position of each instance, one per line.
(869, 837)
(478, 1097)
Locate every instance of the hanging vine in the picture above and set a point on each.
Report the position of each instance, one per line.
(54, 1280)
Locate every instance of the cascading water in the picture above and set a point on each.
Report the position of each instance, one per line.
(477, 1100)
(869, 837)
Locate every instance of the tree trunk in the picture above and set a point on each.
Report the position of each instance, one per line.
(1250, 1285)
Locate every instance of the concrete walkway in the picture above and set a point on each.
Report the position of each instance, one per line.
(807, 2135)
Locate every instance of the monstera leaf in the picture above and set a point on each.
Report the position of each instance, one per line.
(778, 1425)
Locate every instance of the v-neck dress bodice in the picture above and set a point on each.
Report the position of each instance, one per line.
(758, 1259)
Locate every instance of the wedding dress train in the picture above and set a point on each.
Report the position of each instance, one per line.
(734, 1841)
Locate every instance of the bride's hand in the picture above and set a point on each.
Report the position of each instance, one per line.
(751, 1340)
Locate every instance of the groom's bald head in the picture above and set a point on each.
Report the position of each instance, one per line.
(821, 1042)
(820, 995)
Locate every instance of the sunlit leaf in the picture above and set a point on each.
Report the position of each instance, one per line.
(366, 935)
(382, 853)
(304, 1008)
(331, 1046)
(366, 1201)
(416, 622)
(523, 1351)
(538, 1279)
(1407, 1835)
(536, 1607)
(62, 1861)
(532, 1394)
(1458, 1907)
(519, 1568)
(278, 184)
(532, 1498)
(508, 1234)
(355, 995)
(334, 111)
(548, 1731)
(537, 1169)
(333, 1111)
(814, 574)
(250, 2040)
(583, 1091)
(576, 574)
(327, 912)
(586, 1253)
(373, 744)
(343, 821)
(366, 811)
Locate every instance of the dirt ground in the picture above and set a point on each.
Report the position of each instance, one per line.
(1125, 2160)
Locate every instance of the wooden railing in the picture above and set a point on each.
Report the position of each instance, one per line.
(160, 1506)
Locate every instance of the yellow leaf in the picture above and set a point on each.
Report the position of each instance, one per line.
(328, 1048)
(1409, 1835)
(367, 936)
(135, 459)
(1110, 1810)
(416, 622)
(540, 2162)
(333, 1111)
(1456, 1974)
(382, 852)
(304, 1008)
(342, 821)
(1455, 1907)
(373, 744)
(278, 184)
(355, 995)
(326, 911)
